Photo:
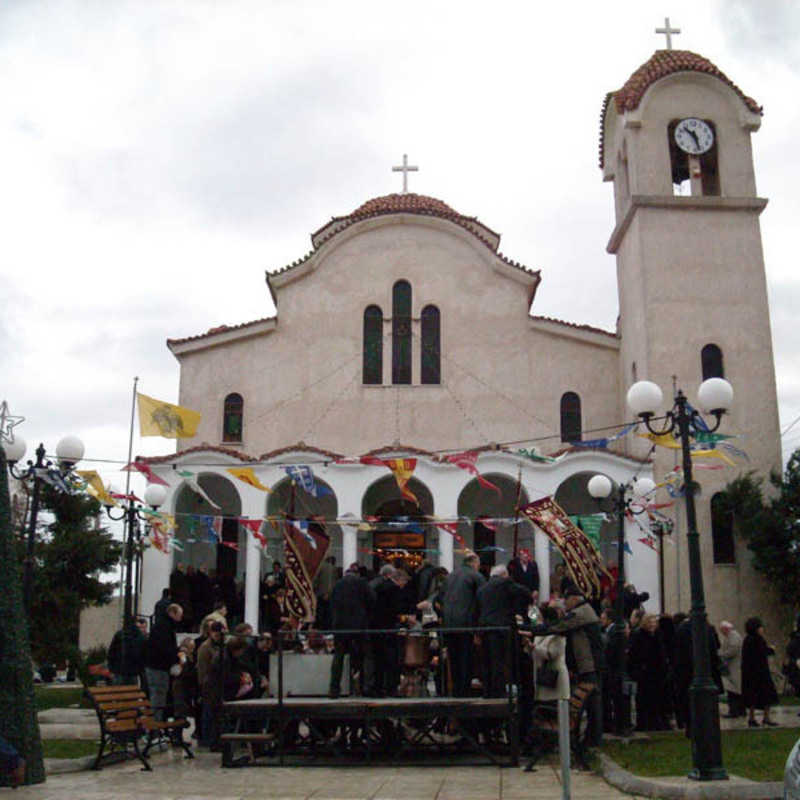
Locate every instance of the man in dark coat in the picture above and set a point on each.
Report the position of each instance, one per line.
(160, 609)
(523, 570)
(499, 600)
(389, 605)
(126, 654)
(460, 610)
(161, 653)
(351, 602)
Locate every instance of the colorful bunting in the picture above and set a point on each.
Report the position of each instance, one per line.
(402, 469)
(247, 475)
(649, 541)
(146, 470)
(95, 487)
(254, 526)
(533, 454)
(191, 482)
(606, 440)
(468, 462)
(303, 476)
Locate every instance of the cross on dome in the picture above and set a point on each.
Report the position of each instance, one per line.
(405, 169)
(667, 31)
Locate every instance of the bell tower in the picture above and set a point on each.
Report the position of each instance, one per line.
(676, 143)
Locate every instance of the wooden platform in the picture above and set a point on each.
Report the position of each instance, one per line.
(365, 728)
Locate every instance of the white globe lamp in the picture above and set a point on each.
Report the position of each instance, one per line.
(645, 398)
(715, 395)
(16, 450)
(600, 486)
(69, 451)
(155, 494)
(643, 487)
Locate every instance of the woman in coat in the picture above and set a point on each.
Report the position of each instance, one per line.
(730, 654)
(647, 664)
(758, 690)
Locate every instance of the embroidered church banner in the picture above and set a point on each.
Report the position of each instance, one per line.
(304, 550)
(580, 555)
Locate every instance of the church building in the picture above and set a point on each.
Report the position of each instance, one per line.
(405, 338)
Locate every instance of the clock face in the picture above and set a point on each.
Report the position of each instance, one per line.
(694, 136)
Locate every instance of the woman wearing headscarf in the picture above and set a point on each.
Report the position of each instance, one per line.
(758, 690)
(647, 664)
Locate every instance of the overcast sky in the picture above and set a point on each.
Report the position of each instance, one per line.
(157, 157)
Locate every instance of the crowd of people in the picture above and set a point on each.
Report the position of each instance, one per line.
(642, 671)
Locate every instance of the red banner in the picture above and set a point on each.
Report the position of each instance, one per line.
(305, 546)
(580, 555)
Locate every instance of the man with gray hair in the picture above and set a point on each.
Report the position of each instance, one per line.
(499, 601)
(460, 610)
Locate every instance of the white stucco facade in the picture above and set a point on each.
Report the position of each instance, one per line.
(690, 273)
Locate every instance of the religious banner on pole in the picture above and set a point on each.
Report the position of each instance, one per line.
(580, 556)
(157, 418)
(304, 552)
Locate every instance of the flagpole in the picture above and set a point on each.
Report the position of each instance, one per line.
(130, 436)
(516, 512)
(127, 536)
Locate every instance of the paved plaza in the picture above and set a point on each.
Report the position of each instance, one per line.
(174, 778)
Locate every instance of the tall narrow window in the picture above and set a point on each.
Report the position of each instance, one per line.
(711, 362)
(401, 332)
(232, 418)
(570, 417)
(431, 362)
(722, 531)
(373, 345)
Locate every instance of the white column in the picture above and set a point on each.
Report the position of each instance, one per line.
(253, 506)
(349, 546)
(445, 550)
(542, 556)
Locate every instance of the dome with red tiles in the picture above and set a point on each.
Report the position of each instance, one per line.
(403, 202)
(663, 63)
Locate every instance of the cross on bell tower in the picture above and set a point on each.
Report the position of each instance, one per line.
(667, 31)
(405, 169)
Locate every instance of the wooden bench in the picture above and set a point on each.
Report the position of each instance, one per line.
(126, 716)
(545, 722)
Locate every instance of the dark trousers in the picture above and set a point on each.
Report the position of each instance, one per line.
(735, 705)
(495, 653)
(594, 709)
(346, 645)
(459, 649)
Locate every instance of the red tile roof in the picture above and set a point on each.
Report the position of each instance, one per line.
(218, 329)
(659, 65)
(300, 447)
(579, 327)
(205, 447)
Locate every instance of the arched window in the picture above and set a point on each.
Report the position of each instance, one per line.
(711, 362)
(431, 363)
(232, 418)
(570, 417)
(722, 530)
(373, 345)
(401, 332)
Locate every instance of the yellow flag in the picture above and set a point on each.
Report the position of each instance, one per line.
(247, 475)
(94, 486)
(157, 418)
(662, 440)
(713, 454)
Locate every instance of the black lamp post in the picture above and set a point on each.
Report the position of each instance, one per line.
(132, 514)
(68, 452)
(600, 487)
(716, 396)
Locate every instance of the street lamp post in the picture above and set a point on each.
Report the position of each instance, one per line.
(132, 514)
(715, 396)
(68, 452)
(601, 487)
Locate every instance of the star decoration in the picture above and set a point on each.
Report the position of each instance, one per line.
(7, 424)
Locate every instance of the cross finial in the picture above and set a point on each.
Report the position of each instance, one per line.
(667, 31)
(405, 169)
